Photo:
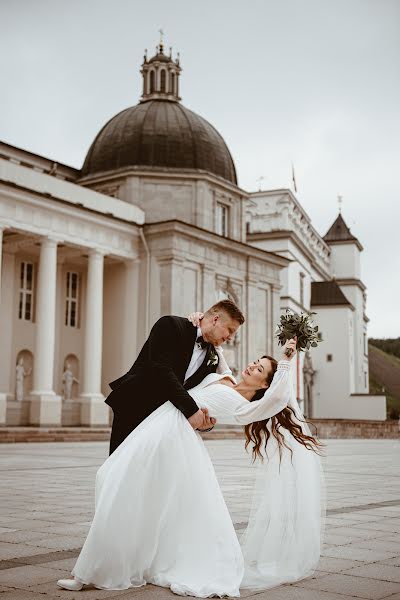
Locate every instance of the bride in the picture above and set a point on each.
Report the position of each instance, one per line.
(160, 516)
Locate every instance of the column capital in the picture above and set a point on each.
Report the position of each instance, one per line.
(50, 241)
(96, 252)
(130, 261)
(170, 260)
(207, 269)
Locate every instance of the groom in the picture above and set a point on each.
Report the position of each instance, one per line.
(175, 357)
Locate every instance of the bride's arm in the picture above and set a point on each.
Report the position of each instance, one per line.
(222, 368)
(275, 398)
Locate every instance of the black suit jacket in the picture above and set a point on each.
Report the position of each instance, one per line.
(157, 376)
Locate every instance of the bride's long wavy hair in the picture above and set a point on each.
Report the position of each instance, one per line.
(258, 433)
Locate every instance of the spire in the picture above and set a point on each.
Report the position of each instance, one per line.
(161, 46)
(161, 75)
(340, 233)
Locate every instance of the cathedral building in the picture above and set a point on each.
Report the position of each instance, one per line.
(155, 223)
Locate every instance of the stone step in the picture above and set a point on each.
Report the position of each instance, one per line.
(326, 428)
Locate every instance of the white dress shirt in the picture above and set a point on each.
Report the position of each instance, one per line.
(198, 356)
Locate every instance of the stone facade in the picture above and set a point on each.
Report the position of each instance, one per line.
(131, 267)
(154, 223)
(333, 382)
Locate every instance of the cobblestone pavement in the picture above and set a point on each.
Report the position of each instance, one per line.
(47, 497)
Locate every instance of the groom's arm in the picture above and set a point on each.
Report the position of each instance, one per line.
(164, 342)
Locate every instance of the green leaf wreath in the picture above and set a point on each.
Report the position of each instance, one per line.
(300, 325)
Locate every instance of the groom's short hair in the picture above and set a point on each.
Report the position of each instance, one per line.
(229, 307)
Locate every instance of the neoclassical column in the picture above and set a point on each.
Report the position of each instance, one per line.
(275, 315)
(1, 253)
(171, 285)
(3, 396)
(252, 326)
(45, 406)
(209, 296)
(93, 409)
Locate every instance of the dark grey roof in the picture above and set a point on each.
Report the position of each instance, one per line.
(159, 133)
(339, 231)
(327, 293)
(160, 57)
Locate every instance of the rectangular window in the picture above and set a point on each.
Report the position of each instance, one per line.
(222, 219)
(72, 299)
(25, 307)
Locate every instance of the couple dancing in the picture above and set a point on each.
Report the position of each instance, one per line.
(160, 516)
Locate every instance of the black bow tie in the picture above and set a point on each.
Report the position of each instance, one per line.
(200, 340)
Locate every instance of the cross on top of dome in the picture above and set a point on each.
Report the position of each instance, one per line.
(161, 75)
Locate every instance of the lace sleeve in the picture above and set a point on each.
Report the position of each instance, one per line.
(275, 399)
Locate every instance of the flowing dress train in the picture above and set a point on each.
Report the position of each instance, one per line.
(160, 516)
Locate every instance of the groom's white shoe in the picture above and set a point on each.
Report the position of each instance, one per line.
(70, 584)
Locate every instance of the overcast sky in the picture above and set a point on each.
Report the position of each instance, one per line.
(315, 82)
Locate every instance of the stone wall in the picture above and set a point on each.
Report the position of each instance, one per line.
(332, 429)
(345, 429)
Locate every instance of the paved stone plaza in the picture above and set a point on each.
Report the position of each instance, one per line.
(47, 497)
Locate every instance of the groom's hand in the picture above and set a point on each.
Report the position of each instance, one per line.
(209, 422)
(201, 420)
(197, 420)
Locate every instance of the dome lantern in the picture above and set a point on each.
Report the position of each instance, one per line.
(160, 76)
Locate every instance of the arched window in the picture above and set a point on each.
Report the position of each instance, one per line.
(172, 90)
(162, 80)
(151, 81)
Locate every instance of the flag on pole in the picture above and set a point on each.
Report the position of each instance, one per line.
(294, 179)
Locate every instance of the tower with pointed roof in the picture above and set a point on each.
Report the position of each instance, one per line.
(346, 270)
(345, 250)
(324, 276)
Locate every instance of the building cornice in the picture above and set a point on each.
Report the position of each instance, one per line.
(287, 192)
(174, 226)
(352, 242)
(350, 281)
(45, 186)
(291, 235)
(35, 216)
(162, 173)
(37, 162)
(296, 302)
(320, 306)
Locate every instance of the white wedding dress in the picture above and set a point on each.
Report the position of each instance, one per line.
(160, 516)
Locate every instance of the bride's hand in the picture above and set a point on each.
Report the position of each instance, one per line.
(195, 318)
(289, 349)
